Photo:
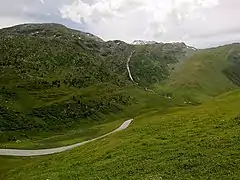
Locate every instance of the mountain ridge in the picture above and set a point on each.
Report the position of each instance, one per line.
(51, 79)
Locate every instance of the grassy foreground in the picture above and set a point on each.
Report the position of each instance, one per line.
(80, 134)
(86, 129)
(200, 142)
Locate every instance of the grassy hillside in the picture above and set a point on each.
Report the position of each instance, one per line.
(205, 74)
(54, 78)
(45, 85)
(87, 128)
(150, 64)
(60, 86)
(184, 143)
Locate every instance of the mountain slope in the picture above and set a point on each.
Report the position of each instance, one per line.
(58, 87)
(53, 78)
(187, 143)
(151, 64)
(206, 73)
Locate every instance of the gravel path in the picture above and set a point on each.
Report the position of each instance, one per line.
(18, 152)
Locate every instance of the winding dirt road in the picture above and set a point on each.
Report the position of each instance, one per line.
(40, 152)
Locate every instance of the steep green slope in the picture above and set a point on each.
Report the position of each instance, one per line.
(205, 74)
(54, 78)
(150, 64)
(233, 70)
(44, 81)
(185, 143)
(58, 84)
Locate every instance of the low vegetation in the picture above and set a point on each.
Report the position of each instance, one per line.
(183, 143)
(60, 86)
(207, 73)
(150, 63)
(54, 78)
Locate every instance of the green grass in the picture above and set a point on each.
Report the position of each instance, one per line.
(202, 76)
(145, 102)
(53, 78)
(200, 142)
(50, 140)
(58, 89)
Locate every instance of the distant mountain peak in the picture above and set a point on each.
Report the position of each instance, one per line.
(143, 42)
(191, 47)
(48, 30)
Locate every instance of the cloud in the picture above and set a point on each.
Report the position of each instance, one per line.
(8, 21)
(197, 22)
(34, 11)
(161, 20)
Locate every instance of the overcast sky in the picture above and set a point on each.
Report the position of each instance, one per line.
(201, 23)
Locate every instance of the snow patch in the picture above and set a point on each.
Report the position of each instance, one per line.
(142, 42)
(193, 48)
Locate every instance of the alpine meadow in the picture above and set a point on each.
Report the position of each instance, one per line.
(60, 86)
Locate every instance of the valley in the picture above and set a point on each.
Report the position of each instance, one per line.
(61, 87)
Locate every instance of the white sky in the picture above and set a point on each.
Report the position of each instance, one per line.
(202, 23)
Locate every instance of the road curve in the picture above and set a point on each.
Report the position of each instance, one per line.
(40, 152)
